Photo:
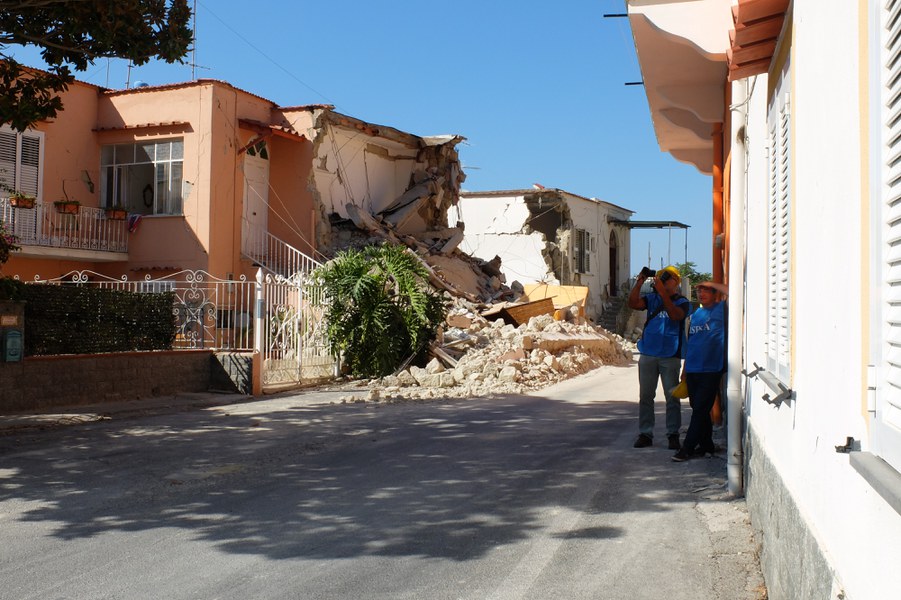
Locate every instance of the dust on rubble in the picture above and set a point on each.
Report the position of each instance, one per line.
(492, 358)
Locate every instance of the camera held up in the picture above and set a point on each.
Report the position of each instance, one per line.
(648, 272)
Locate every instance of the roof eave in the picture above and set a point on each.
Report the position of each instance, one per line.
(682, 51)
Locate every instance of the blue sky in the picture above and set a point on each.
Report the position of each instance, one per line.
(537, 88)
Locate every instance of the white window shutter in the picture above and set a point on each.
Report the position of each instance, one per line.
(887, 421)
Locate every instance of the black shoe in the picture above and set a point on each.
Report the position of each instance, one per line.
(680, 456)
(643, 441)
(674, 441)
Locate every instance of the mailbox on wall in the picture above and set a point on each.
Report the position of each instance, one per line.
(12, 331)
(12, 345)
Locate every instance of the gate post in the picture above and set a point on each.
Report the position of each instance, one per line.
(258, 322)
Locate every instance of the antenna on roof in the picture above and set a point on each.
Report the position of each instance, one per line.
(193, 39)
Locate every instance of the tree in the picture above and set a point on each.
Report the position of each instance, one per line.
(380, 308)
(73, 34)
(687, 269)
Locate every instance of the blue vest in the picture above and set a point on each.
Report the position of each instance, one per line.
(705, 350)
(662, 336)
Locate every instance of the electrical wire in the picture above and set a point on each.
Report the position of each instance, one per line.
(266, 56)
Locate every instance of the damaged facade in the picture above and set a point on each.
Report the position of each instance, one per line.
(408, 181)
(218, 179)
(550, 236)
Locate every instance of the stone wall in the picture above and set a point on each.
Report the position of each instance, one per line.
(41, 382)
(793, 564)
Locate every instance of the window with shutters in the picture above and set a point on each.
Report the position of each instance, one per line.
(582, 251)
(886, 439)
(21, 156)
(144, 178)
(779, 243)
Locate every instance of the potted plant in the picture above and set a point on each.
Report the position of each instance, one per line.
(21, 200)
(69, 207)
(116, 213)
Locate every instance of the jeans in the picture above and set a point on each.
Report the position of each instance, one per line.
(650, 368)
(702, 390)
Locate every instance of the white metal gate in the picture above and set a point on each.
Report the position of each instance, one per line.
(291, 336)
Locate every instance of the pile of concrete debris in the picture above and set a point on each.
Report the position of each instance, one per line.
(494, 357)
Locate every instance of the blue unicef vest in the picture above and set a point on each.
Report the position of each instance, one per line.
(662, 336)
(705, 350)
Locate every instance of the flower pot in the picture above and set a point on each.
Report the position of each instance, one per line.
(67, 208)
(21, 202)
(116, 214)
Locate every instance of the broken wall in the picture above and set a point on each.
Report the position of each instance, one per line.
(500, 226)
(407, 180)
(534, 234)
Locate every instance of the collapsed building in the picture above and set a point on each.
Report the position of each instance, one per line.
(550, 236)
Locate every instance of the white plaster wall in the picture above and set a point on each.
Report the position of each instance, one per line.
(368, 179)
(591, 217)
(857, 530)
(493, 227)
(521, 258)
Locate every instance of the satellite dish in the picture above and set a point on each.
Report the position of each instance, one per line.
(141, 84)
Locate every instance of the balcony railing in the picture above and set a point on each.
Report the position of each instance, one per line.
(86, 228)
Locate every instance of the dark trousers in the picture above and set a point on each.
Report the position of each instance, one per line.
(702, 390)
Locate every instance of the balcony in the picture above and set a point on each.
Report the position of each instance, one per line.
(85, 233)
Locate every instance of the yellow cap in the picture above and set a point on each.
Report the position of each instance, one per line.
(672, 271)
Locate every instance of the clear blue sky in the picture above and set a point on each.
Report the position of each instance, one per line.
(537, 88)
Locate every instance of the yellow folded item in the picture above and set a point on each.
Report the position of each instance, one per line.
(680, 391)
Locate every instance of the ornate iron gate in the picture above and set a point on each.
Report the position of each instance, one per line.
(292, 340)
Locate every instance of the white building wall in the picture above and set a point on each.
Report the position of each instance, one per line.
(856, 529)
(494, 226)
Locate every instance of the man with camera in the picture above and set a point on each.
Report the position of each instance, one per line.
(660, 349)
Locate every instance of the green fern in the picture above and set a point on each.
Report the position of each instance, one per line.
(380, 308)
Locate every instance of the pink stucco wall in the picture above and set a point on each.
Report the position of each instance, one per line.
(207, 115)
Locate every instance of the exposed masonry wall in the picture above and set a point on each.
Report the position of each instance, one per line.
(793, 564)
(49, 381)
(408, 180)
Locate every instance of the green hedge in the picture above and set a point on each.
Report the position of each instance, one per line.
(70, 319)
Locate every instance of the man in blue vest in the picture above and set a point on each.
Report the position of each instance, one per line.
(660, 349)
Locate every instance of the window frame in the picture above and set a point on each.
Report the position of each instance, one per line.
(581, 251)
(114, 174)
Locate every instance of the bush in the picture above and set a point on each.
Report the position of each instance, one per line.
(380, 309)
(70, 319)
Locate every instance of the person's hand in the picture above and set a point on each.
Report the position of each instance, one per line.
(658, 285)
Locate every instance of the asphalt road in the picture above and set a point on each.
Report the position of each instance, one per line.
(538, 497)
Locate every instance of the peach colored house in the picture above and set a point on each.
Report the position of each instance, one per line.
(212, 178)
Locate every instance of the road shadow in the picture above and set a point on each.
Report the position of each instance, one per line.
(448, 479)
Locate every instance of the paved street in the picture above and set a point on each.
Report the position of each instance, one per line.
(538, 496)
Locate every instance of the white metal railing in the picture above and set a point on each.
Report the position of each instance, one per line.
(87, 228)
(274, 254)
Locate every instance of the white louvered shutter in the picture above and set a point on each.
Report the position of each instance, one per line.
(779, 232)
(20, 161)
(887, 422)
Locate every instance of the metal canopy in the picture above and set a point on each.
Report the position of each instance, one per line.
(650, 224)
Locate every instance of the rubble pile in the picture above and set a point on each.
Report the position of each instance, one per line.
(486, 358)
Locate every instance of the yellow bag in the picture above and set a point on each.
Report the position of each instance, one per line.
(680, 391)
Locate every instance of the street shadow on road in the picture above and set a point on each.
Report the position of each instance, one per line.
(452, 479)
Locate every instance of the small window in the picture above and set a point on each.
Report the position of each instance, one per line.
(582, 251)
(144, 178)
